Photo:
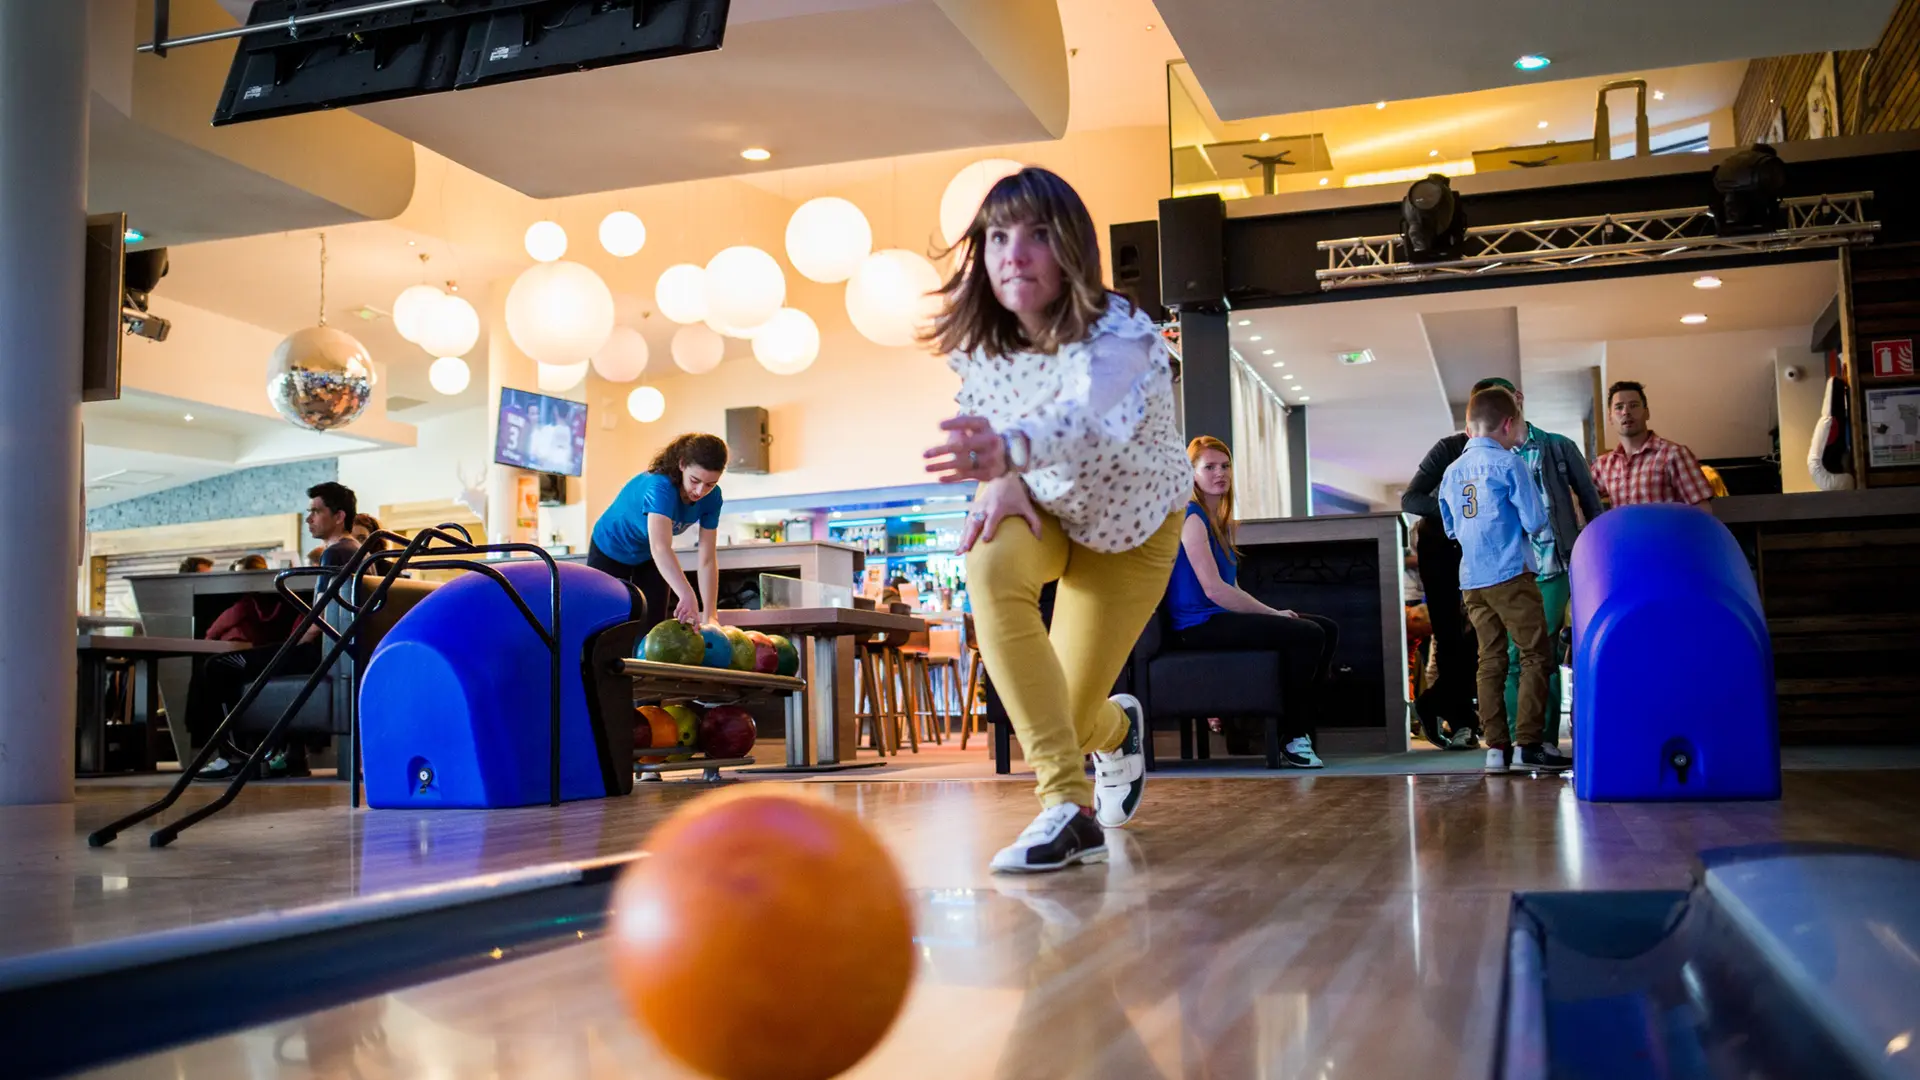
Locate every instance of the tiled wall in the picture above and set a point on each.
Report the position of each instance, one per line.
(268, 489)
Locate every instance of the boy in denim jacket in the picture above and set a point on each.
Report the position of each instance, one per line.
(1489, 504)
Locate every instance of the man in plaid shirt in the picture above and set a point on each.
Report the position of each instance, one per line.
(1645, 468)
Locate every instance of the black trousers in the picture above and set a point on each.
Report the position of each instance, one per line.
(1451, 695)
(645, 577)
(1306, 645)
(221, 681)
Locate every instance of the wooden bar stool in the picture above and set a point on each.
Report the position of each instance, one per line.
(885, 678)
(922, 708)
(974, 706)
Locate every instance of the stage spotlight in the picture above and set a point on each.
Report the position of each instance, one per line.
(1434, 224)
(1746, 191)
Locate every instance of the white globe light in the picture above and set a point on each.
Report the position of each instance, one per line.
(968, 188)
(623, 357)
(622, 233)
(559, 313)
(697, 349)
(546, 241)
(560, 378)
(453, 328)
(893, 296)
(743, 333)
(449, 375)
(788, 344)
(646, 404)
(411, 309)
(681, 294)
(827, 239)
(745, 286)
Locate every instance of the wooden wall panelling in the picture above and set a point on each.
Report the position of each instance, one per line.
(1879, 89)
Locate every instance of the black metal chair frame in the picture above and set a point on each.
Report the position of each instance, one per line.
(339, 586)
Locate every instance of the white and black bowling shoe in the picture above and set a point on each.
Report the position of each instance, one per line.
(1120, 775)
(1060, 837)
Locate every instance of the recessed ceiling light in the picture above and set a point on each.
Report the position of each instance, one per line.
(1543, 125)
(1323, 181)
(1279, 363)
(1289, 375)
(1433, 153)
(1693, 320)
(1266, 352)
(1149, 28)
(1379, 104)
(188, 418)
(413, 243)
(1659, 95)
(1532, 62)
(1706, 281)
(1255, 337)
(1246, 322)
(754, 153)
(1304, 397)
(1264, 136)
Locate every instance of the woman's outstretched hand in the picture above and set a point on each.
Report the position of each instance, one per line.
(994, 502)
(973, 451)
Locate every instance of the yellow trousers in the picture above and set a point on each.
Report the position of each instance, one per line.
(1055, 687)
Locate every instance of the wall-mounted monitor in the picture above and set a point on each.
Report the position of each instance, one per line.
(545, 434)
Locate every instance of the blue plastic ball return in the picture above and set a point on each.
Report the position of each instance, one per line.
(1672, 665)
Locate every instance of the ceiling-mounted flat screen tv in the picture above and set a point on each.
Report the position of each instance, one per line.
(546, 434)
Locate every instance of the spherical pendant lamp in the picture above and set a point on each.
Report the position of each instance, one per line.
(412, 308)
(681, 293)
(622, 233)
(560, 378)
(449, 375)
(739, 333)
(623, 357)
(452, 328)
(646, 404)
(893, 296)
(546, 241)
(745, 286)
(697, 349)
(968, 188)
(788, 344)
(559, 313)
(827, 239)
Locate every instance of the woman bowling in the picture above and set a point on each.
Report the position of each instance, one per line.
(1066, 396)
(1211, 611)
(633, 540)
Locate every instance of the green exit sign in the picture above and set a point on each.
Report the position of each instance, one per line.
(1363, 356)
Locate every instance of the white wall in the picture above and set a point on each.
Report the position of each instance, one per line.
(1798, 402)
(448, 445)
(1712, 392)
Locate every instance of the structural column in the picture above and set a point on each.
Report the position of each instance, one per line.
(1206, 376)
(43, 196)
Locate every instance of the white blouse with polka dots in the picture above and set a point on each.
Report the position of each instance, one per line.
(1104, 454)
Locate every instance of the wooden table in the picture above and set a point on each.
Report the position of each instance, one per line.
(821, 732)
(90, 735)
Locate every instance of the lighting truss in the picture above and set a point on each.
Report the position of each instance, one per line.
(1815, 221)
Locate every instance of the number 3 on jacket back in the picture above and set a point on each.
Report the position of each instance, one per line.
(1490, 504)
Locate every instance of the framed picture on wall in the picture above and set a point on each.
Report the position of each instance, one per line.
(1823, 102)
(1777, 129)
(1893, 427)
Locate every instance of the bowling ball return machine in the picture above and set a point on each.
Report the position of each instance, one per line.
(457, 680)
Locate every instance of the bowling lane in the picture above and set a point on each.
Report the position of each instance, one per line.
(1315, 927)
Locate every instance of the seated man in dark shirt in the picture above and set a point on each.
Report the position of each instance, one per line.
(222, 680)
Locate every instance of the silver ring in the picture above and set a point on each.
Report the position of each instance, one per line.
(978, 516)
(973, 458)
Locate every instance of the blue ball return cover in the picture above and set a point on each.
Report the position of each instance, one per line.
(454, 703)
(1672, 665)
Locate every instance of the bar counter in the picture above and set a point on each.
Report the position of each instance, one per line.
(1839, 579)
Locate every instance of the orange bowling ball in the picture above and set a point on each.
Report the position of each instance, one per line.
(765, 937)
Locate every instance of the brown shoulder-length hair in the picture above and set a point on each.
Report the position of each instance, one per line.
(707, 451)
(971, 316)
(1221, 523)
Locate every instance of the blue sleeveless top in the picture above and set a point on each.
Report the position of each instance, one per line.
(1186, 600)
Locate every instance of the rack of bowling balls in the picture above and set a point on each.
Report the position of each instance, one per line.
(694, 684)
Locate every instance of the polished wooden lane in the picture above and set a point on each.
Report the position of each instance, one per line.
(1308, 927)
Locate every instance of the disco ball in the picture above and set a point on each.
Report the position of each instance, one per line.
(320, 378)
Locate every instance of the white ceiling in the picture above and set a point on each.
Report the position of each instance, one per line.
(1260, 57)
(1378, 419)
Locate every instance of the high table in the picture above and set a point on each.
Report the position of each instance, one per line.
(821, 733)
(145, 653)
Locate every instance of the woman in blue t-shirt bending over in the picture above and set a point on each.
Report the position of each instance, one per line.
(633, 540)
(1211, 611)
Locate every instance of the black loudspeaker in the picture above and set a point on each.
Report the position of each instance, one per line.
(1134, 249)
(1193, 256)
(749, 441)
